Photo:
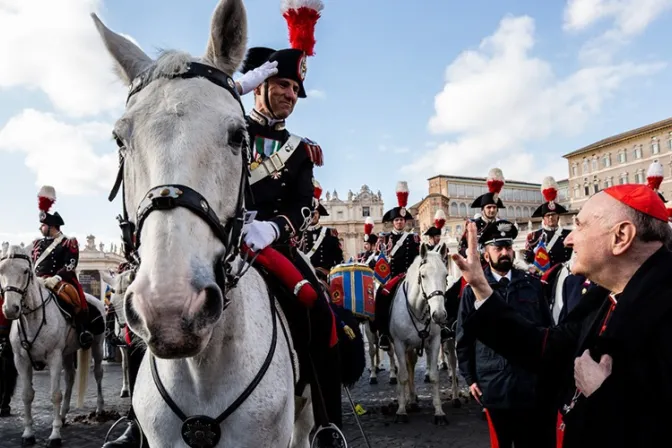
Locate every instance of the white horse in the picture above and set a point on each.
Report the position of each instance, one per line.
(214, 336)
(418, 310)
(43, 337)
(374, 356)
(119, 284)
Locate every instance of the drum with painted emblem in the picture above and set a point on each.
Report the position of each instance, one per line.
(352, 287)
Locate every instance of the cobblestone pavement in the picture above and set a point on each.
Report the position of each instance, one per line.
(466, 428)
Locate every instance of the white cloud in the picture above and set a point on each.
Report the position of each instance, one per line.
(317, 94)
(500, 100)
(393, 149)
(53, 46)
(62, 154)
(628, 19)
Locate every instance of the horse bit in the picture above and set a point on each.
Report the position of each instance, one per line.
(23, 336)
(198, 431)
(426, 318)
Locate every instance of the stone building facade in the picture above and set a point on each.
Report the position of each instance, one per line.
(620, 159)
(347, 216)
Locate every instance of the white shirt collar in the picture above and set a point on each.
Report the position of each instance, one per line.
(498, 277)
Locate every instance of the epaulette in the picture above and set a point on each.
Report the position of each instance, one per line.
(416, 237)
(333, 232)
(71, 242)
(314, 151)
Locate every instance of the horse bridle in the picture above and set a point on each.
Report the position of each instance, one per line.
(199, 430)
(23, 336)
(424, 333)
(172, 196)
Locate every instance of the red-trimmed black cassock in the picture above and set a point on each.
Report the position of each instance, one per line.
(631, 408)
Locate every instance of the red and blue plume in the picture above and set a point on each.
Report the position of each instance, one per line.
(301, 17)
(46, 198)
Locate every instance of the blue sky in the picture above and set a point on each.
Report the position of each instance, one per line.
(397, 90)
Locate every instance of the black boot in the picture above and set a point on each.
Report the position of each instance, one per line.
(383, 302)
(131, 438)
(326, 384)
(81, 324)
(8, 375)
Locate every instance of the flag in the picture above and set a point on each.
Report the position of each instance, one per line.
(381, 270)
(542, 261)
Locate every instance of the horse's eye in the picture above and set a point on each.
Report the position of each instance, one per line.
(118, 140)
(237, 138)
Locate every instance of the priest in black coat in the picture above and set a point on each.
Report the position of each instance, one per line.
(609, 363)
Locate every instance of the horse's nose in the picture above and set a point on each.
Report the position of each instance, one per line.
(11, 311)
(440, 317)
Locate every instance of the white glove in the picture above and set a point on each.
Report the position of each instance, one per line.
(51, 282)
(260, 234)
(254, 78)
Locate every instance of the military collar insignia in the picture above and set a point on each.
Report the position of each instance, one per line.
(278, 125)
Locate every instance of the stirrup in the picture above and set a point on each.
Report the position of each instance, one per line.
(328, 437)
(117, 423)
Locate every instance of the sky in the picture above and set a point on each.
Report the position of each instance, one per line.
(396, 91)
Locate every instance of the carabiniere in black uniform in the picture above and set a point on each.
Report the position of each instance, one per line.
(281, 191)
(321, 243)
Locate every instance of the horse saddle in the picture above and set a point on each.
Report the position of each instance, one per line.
(69, 295)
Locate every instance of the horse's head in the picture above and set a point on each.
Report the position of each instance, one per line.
(426, 278)
(183, 146)
(119, 284)
(16, 279)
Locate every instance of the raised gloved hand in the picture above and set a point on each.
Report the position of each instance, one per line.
(260, 234)
(254, 78)
(51, 282)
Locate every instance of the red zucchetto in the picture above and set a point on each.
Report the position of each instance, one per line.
(640, 197)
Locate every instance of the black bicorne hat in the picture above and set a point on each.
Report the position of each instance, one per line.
(495, 182)
(369, 236)
(402, 199)
(45, 199)
(499, 233)
(549, 190)
(291, 64)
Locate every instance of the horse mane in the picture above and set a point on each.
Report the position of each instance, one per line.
(170, 62)
(15, 249)
(415, 266)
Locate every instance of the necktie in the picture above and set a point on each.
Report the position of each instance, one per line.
(503, 282)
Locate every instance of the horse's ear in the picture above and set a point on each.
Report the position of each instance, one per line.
(130, 59)
(423, 250)
(443, 250)
(228, 36)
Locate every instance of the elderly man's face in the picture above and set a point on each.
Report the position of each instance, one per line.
(591, 238)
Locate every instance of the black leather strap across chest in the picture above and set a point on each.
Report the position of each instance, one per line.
(171, 196)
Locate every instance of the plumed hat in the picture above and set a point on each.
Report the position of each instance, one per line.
(369, 236)
(495, 183)
(45, 199)
(402, 200)
(301, 17)
(549, 190)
